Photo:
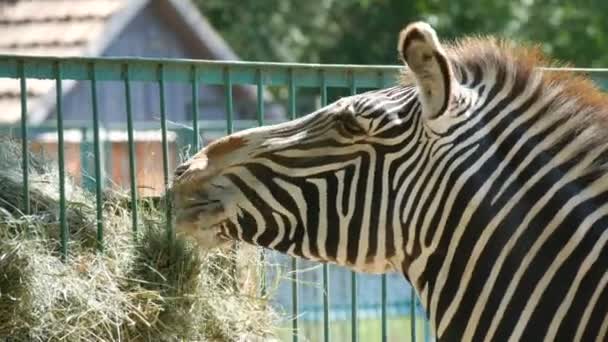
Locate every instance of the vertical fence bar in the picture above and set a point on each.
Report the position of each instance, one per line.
(260, 118)
(383, 280)
(86, 150)
(97, 156)
(165, 147)
(260, 98)
(292, 95)
(229, 130)
(413, 313)
(354, 307)
(64, 233)
(383, 296)
(25, 156)
(195, 112)
(427, 331)
(294, 261)
(229, 104)
(132, 169)
(294, 297)
(326, 334)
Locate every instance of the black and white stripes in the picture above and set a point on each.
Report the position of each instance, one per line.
(495, 208)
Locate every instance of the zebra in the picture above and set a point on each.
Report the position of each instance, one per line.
(481, 177)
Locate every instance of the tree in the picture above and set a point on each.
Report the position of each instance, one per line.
(365, 31)
(272, 30)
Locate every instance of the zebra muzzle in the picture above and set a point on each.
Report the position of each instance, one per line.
(206, 238)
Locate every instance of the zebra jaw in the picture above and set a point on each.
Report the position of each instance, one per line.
(202, 214)
(205, 237)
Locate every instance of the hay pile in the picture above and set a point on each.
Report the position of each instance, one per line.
(139, 289)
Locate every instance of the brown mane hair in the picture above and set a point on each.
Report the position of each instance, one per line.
(489, 52)
(585, 100)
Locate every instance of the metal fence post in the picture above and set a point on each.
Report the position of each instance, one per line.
(64, 233)
(294, 261)
(326, 332)
(260, 119)
(383, 280)
(25, 157)
(413, 313)
(229, 102)
(131, 145)
(354, 307)
(195, 111)
(165, 149)
(99, 177)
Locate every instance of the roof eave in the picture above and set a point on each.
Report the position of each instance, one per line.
(95, 48)
(208, 44)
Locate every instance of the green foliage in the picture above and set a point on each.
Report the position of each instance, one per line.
(272, 30)
(365, 31)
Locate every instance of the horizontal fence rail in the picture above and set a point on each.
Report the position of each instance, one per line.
(180, 70)
(195, 74)
(207, 72)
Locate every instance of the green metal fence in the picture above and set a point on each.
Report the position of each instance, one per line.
(194, 73)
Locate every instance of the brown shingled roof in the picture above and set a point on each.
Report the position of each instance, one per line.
(47, 27)
(82, 28)
(65, 26)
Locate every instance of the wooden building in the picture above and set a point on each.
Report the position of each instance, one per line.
(117, 28)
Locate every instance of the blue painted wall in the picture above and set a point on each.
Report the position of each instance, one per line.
(147, 35)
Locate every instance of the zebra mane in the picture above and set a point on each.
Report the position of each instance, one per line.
(575, 93)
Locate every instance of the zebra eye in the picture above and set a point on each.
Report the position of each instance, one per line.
(349, 124)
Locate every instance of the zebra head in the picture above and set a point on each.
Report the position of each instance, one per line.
(481, 177)
(323, 186)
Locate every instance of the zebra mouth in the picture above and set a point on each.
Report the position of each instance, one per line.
(205, 236)
(201, 213)
(202, 221)
(207, 213)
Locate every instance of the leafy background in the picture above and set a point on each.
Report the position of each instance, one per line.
(365, 31)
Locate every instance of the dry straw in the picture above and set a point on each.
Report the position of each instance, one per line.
(139, 289)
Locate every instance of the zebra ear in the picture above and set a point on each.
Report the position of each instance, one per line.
(420, 49)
